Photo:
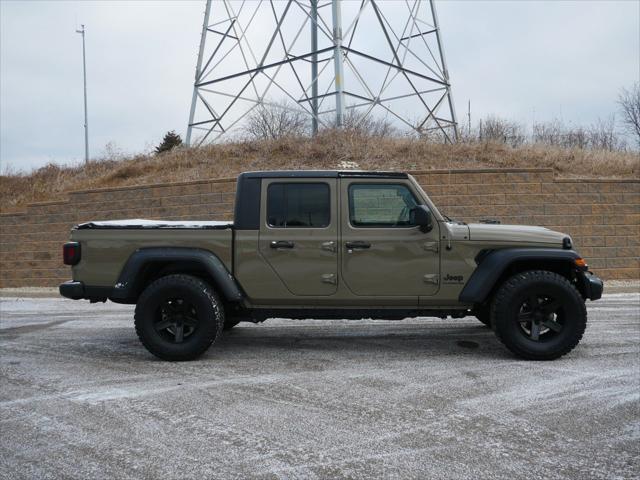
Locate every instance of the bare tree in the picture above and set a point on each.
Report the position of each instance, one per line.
(575, 137)
(629, 102)
(365, 125)
(548, 133)
(497, 129)
(602, 135)
(556, 133)
(276, 120)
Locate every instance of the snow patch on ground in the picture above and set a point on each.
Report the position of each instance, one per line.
(313, 399)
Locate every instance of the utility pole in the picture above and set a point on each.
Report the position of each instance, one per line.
(445, 71)
(314, 67)
(337, 61)
(86, 121)
(194, 98)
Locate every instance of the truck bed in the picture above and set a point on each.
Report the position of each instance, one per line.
(107, 245)
(151, 224)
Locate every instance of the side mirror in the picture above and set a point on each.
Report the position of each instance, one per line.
(421, 216)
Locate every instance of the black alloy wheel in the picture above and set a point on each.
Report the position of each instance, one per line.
(538, 315)
(177, 320)
(178, 317)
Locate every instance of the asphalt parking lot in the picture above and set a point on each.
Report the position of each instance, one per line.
(424, 398)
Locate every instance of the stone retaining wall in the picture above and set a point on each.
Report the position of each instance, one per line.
(602, 216)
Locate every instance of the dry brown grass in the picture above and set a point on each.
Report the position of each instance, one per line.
(326, 151)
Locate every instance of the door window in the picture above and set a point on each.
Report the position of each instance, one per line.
(298, 205)
(380, 205)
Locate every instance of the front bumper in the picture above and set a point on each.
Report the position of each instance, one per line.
(72, 290)
(591, 286)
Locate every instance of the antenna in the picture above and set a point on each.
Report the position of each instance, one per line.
(336, 62)
(469, 119)
(84, 76)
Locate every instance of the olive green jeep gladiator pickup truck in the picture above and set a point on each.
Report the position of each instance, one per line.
(332, 245)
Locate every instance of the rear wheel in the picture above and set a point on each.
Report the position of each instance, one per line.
(178, 317)
(539, 315)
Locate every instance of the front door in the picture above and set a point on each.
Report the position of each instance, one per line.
(383, 253)
(299, 233)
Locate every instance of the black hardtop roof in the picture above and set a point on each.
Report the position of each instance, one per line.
(321, 174)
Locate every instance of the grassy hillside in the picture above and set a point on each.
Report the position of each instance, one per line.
(327, 151)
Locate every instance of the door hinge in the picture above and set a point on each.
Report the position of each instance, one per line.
(430, 246)
(431, 278)
(329, 278)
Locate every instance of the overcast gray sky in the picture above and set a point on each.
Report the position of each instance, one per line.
(518, 59)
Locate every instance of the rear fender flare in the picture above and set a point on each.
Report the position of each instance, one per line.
(495, 263)
(130, 282)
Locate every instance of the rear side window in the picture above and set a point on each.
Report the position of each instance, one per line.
(380, 205)
(298, 205)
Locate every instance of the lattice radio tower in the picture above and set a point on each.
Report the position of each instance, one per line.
(338, 62)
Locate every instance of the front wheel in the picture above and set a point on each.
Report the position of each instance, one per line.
(178, 317)
(539, 315)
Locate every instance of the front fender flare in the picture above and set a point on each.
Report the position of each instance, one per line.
(495, 263)
(130, 284)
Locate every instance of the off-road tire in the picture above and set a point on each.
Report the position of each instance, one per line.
(507, 303)
(206, 304)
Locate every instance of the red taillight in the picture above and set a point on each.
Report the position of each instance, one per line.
(71, 253)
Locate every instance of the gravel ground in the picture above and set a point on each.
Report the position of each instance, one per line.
(81, 398)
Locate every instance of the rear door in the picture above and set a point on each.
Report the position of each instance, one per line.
(383, 253)
(299, 233)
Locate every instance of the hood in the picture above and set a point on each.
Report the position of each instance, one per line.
(514, 233)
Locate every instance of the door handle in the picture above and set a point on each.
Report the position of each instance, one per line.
(430, 246)
(329, 246)
(281, 244)
(357, 245)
